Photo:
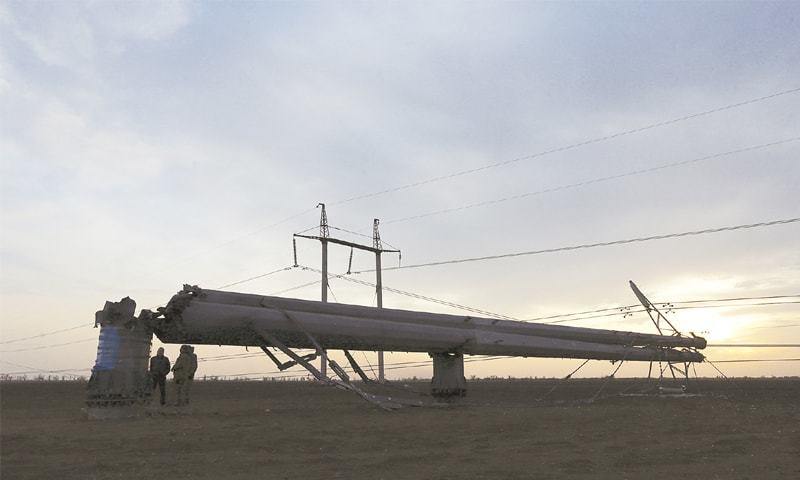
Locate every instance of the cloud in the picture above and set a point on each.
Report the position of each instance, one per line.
(73, 35)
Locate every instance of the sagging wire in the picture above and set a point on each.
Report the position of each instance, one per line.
(608, 379)
(256, 277)
(561, 381)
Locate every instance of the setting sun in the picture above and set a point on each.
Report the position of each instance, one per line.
(712, 323)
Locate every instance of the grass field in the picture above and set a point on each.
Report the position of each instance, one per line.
(246, 430)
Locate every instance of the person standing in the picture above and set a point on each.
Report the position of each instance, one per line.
(159, 369)
(183, 373)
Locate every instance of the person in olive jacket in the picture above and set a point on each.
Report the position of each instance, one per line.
(159, 369)
(183, 373)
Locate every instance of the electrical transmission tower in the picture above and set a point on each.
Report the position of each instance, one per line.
(377, 248)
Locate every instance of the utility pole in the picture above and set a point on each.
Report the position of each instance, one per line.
(377, 248)
(324, 233)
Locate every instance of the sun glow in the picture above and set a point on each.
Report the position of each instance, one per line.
(713, 324)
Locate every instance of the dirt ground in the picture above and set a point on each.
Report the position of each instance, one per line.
(246, 430)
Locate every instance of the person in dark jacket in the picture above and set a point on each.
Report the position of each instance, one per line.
(183, 373)
(159, 369)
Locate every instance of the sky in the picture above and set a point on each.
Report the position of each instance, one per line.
(145, 145)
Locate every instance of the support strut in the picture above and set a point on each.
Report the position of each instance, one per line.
(385, 403)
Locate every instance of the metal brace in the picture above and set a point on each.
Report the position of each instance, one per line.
(384, 403)
(289, 364)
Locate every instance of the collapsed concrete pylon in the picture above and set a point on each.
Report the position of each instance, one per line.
(120, 385)
(448, 375)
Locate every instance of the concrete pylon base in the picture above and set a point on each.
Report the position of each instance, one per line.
(448, 375)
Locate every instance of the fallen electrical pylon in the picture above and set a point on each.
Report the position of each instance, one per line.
(213, 317)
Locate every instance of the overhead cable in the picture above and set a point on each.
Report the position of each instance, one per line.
(490, 166)
(371, 237)
(62, 372)
(426, 363)
(298, 287)
(626, 308)
(38, 370)
(590, 182)
(625, 312)
(256, 277)
(415, 295)
(614, 311)
(42, 347)
(235, 239)
(755, 345)
(390, 366)
(566, 147)
(45, 334)
(759, 360)
(594, 245)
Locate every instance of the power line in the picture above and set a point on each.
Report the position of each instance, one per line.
(473, 359)
(45, 334)
(233, 356)
(738, 305)
(625, 311)
(755, 345)
(64, 371)
(358, 234)
(498, 164)
(237, 356)
(89, 325)
(590, 182)
(565, 148)
(507, 162)
(627, 308)
(616, 310)
(733, 299)
(594, 245)
(278, 292)
(332, 294)
(390, 366)
(236, 239)
(39, 370)
(256, 277)
(425, 363)
(298, 287)
(490, 166)
(759, 360)
(42, 347)
(691, 304)
(416, 295)
(30, 372)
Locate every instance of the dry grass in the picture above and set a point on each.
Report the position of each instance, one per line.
(246, 430)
